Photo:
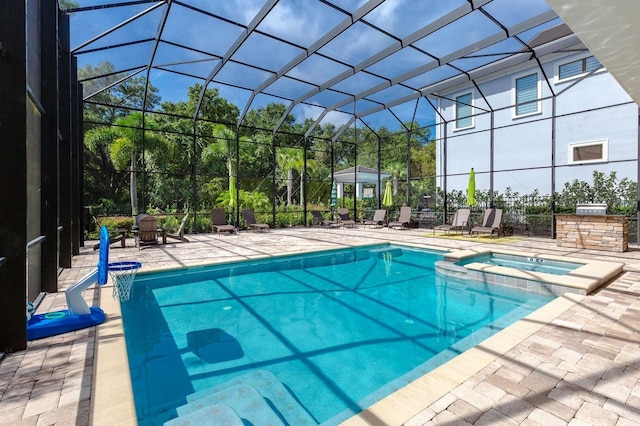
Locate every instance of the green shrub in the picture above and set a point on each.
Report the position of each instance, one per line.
(113, 223)
(203, 222)
(169, 222)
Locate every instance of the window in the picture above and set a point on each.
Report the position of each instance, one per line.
(527, 95)
(588, 152)
(575, 68)
(464, 111)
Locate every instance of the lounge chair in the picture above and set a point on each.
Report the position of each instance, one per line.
(179, 234)
(344, 219)
(320, 220)
(250, 218)
(403, 219)
(460, 222)
(219, 222)
(378, 218)
(490, 224)
(147, 233)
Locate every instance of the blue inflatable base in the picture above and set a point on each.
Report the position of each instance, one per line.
(52, 323)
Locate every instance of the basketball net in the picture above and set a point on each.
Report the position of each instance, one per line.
(122, 275)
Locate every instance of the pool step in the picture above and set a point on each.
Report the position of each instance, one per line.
(258, 397)
(244, 400)
(215, 414)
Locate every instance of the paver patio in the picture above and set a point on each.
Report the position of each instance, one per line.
(577, 363)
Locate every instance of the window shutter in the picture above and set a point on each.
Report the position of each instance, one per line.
(592, 64)
(570, 69)
(578, 67)
(463, 111)
(527, 94)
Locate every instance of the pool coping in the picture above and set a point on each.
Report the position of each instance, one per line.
(112, 401)
(442, 250)
(407, 402)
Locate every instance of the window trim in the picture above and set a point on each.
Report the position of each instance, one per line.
(577, 76)
(605, 151)
(455, 110)
(514, 94)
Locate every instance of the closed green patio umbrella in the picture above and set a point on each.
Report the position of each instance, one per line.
(334, 197)
(232, 192)
(471, 189)
(387, 198)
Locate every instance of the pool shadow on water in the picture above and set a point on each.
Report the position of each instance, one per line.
(214, 345)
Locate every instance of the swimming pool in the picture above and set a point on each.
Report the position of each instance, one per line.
(336, 330)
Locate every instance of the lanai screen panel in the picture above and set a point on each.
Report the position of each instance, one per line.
(349, 56)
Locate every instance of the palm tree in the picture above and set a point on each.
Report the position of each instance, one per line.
(223, 147)
(311, 166)
(289, 159)
(126, 149)
(397, 170)
(292, 159)
(101, 180)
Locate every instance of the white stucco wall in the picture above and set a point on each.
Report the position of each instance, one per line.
(594, 108)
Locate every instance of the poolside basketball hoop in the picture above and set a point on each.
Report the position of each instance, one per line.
(122, 274)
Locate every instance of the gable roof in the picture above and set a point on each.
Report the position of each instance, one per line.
(359, 174)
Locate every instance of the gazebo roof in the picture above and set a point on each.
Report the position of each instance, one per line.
(359, 174)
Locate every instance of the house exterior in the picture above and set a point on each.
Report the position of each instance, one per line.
(537, 125)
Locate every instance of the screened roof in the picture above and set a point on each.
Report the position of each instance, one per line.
(382, 62)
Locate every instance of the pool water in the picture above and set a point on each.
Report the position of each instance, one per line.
(339, 329)
(523, 263)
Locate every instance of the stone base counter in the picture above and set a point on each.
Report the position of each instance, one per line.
(593, 232)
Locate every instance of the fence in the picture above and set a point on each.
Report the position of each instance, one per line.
(532, 215)
(523, 215)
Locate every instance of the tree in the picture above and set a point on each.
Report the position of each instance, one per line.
(117, 101)
(222, 150)
(101, 180)
(619, 195)
(292, 159)
(397, 171)
(134, 147)
(288, 159)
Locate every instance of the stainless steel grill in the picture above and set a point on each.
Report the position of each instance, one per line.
(592, 209)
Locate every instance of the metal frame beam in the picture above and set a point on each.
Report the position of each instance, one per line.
(13, 172)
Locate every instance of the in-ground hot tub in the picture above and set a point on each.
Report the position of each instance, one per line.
(532, 264)
(536, 272)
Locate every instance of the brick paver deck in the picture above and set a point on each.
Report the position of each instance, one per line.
(580, 368)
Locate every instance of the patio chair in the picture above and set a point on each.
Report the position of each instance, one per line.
(490, 224)
(460, 222)
(344, 219)
(219, 222)
(320, 220)
(378, 218)
(250, 218)
(147, 233)
(403, 219)
(179, 234)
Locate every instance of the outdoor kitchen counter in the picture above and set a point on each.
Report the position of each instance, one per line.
(594, 232)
